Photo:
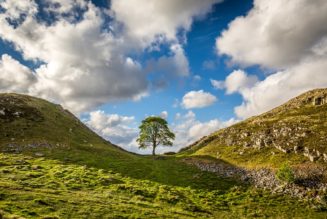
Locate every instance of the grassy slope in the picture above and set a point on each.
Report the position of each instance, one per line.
(295, 113)
(83, 176)
(47, 188)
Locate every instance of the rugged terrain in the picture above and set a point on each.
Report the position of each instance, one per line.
(294, 133)
(53, 166)
(297, 127)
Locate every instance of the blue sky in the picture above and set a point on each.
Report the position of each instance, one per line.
(200, 48)
(202, 65)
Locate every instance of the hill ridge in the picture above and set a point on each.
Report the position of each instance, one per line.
(30, 122)
(298, 126)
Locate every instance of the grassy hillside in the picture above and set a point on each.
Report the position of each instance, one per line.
(294, 132)
(53, 166)
(28, 123)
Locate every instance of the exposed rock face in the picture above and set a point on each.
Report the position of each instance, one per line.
(13, 107)
(284, 137)
(299, 126)
(319, 100)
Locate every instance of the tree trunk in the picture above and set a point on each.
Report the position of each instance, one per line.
(153, 150)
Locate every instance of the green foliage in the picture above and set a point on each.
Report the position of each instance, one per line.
(154, 131)
(285, 173)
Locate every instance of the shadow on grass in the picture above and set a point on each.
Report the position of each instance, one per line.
(168, 170)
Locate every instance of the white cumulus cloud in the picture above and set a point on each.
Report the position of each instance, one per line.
(150, 21)
(118, 129)
(198, 99)
(83, 52)
(236, 81)
(14, 77)
(287, 37)
(281, 86)
(276, 33)
(77, 66)
(189, 129)
(171, 65)
(123, 131)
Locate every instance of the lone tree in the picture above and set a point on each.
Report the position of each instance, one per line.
(154, 131)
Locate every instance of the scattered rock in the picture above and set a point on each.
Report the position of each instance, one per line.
(229, 141)
(35, 167)
(38, 154)
(320, 100)
(295, 149)
(284, 150)
(16, 114)
(2, 112)
(259, 143)
(312, 158)
(264, 179)
(325, 157)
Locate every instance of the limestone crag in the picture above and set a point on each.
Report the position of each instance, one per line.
(299, 126)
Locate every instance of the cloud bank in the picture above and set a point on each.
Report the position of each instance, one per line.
(119, 130)
(189, 129)
(287, 37)
(84, 54)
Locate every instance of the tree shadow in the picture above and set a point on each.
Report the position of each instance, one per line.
(167, 170)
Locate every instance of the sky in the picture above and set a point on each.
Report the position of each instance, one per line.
(201, 65)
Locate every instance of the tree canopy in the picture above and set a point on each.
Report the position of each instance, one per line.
(154, 131)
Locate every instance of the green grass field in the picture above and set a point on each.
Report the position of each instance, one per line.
(143, 188)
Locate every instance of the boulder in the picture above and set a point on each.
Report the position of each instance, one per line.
(259, 143)
(296, 148)
(312, 158)
(38, 154)
(284, 150)
(229, 141)
(245, 134)
(325, 157)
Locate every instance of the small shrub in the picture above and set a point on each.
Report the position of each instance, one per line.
(170, 153)
(285, 174)
(40, 202)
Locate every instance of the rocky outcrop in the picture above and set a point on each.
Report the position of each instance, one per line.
(12, 107)
(319, 100)
(298, 126)
(282, 136)
(304, 188)
(20, 147)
